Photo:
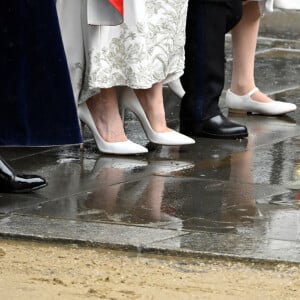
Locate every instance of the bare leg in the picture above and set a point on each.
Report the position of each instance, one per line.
(152, 102)
(105, 112)
(244, 38)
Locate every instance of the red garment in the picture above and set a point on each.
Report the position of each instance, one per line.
(118, 4)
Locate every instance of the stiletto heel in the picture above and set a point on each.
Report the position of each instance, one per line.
(171, 138)
(122, 148)
(176, 87)
(82, 128)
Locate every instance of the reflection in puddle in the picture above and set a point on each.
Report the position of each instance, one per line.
(66, 160)
(139, 201)
(296, 173)
(164, 193)
(230, 194)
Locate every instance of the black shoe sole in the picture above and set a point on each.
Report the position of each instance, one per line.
(225, 137)
(213, 136)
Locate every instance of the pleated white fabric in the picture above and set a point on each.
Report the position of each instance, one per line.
(147, 48)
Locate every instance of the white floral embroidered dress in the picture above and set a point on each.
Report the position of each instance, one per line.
(147, 48)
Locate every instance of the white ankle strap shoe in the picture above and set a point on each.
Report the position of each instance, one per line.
(245, 103)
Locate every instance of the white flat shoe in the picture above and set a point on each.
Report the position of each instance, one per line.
(244, 103)
(121, 148)
(171, 138)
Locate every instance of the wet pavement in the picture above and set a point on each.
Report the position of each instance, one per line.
(238, 199)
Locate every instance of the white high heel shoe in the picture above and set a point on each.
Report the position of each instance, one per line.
(171, 138)
(176, 87)
(122, 148)
(245, 104)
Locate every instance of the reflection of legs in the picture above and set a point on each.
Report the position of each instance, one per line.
(239, 202)
(105, 197)
(150, 191)
(108, 175)
(244, 38)
(153, 196)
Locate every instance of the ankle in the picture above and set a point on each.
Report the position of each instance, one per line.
(241, 89)
(111, 131)
(155, 111)
(105, 113)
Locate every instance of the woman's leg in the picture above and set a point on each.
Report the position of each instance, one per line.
(148, 106)
(152, 102)
(105, 112)
(244, 38)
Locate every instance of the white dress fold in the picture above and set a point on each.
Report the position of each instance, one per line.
(147, 48)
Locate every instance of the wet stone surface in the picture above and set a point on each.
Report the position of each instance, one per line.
(282, 24)
(238, 198)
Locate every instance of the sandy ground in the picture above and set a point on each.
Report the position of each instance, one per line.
(46, 271)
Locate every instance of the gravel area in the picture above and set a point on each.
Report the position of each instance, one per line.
(49, 271)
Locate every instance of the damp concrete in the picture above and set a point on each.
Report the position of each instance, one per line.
(223, 198)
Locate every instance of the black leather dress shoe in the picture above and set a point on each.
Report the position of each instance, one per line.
(218, 127)
(13, 183)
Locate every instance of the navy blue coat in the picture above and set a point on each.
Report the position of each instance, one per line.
(37, 106)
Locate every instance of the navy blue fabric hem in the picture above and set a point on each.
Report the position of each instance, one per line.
(36, 96)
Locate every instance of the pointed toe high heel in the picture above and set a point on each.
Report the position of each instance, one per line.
(121, 148)
(170, 138)
(245, 104)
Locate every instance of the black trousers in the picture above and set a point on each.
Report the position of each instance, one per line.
(203, 79)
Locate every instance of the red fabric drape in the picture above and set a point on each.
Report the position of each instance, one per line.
(118, 4)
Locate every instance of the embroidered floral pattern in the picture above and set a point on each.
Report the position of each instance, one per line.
(137, 54)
